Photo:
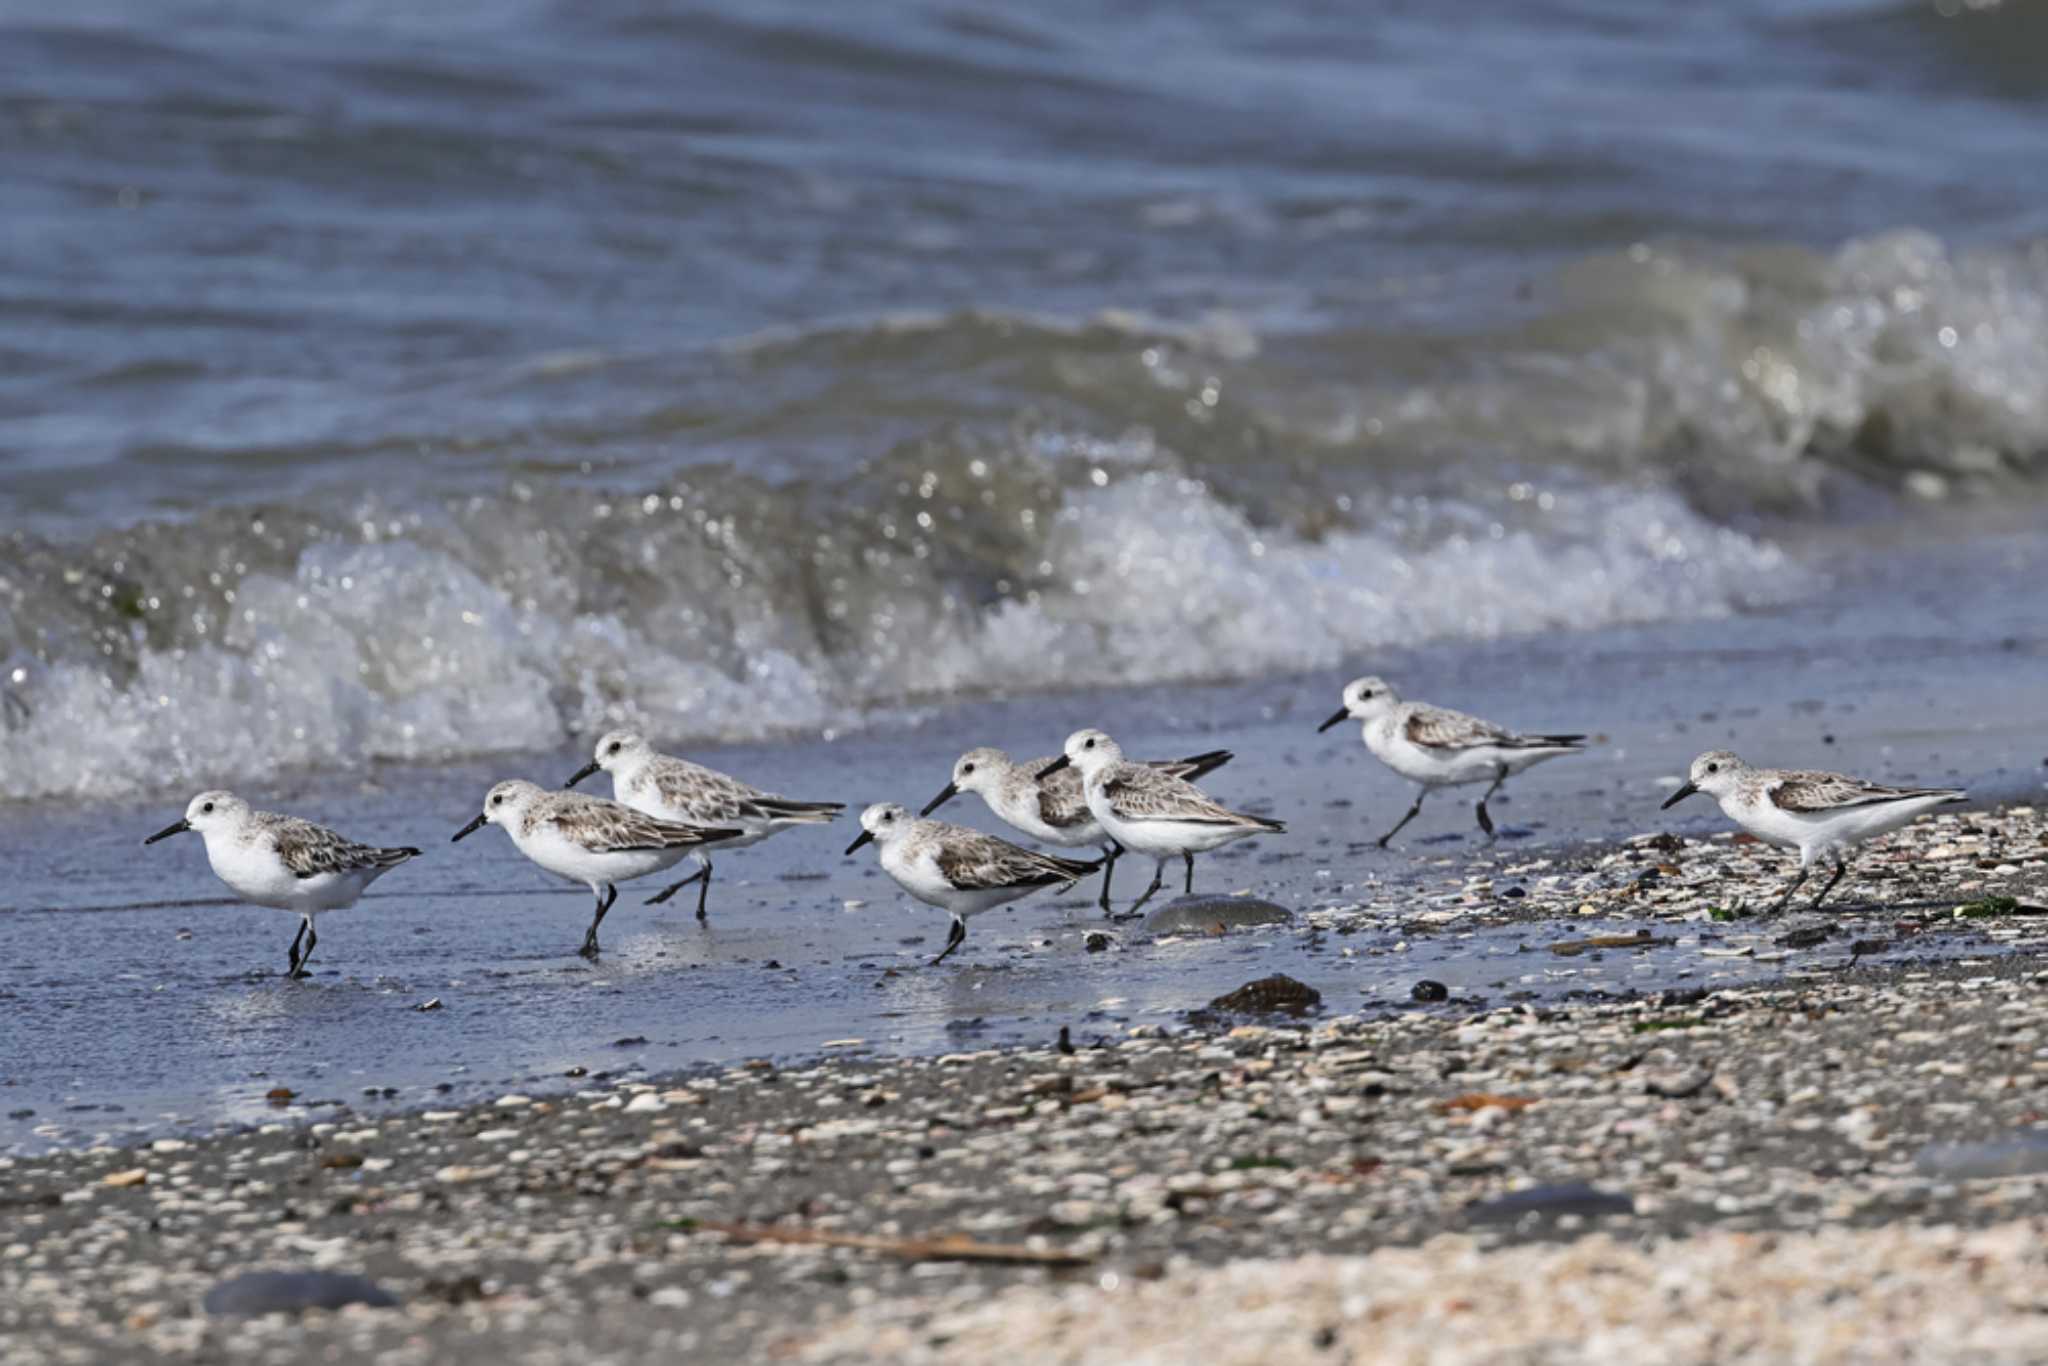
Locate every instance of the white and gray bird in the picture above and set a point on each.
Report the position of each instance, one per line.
(1150, 811)
(672, 789)
(963, 872)
(283, 862)
(587, 839)
(1052, 809)
(1822, 815)
(1435, 747)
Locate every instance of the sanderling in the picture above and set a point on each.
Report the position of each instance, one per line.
(671, 789)
(1152, 812)
(587, 839)
(1052, 808)
(283, 862)
(1819, 814)
(1435, 747)
(963, 872)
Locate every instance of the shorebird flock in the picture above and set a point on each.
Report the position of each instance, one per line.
(664, 809)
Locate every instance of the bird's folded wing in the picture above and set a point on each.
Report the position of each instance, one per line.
(309, 850)
(978, 862)
(1834, 792)
(1143, 794)
(1438, 728)
(1061, 804)
(608, 828)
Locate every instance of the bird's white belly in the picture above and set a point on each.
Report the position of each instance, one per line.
(1430, 767)
(920, 876)
(1024, 816)
(565, 858)
(256, 874)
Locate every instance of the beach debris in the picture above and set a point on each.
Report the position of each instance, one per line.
(1209, 914)
(2023, 1154)
(1641, 939)
(134, 1176)
(1429, 992)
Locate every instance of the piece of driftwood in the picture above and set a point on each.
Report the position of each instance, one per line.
(948, 1248)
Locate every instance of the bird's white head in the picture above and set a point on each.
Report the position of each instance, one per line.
(617, 752)
(1364, 699)
(208, 813)
(503, 804)
(978, 770)
(1716, 773)
(1091, 751)
(883, 824)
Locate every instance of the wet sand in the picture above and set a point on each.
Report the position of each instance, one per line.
(142, 1003)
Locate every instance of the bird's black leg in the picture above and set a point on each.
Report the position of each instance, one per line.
(667, 892)
(1190, 857)
(1158, 881)
(1111, 852)
(704, 890)
(1500, 775)
(1780, 904)
(306, 955)
(1412, 813)
(1841, 867)
(604, 903)
(293, 970)
(953, 940)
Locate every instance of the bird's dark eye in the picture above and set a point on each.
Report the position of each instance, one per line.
(207, 809)
(614, 749)
(497, 801)
(1089, 745)
(967, 768)
(1367, 693)
(1713, 768)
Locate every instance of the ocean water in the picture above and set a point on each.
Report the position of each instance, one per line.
(417, 383)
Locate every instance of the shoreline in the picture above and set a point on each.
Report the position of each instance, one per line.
(541, 1228)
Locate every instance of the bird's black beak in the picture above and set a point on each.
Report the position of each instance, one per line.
(946, 794)
(469, 829)
(1342, 713)
(1678, 796)
(177, 828)
(865, 837)
(584, 772)
(1054, 767)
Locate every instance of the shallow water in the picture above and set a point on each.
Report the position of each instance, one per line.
(127, 982)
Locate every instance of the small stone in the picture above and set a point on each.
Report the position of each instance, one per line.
(1276, 993)
(1095, 941)
(433, 1004)
(645, 1103)
(290, 1292)
(2024, 1154)
(280, 1095)
(134, 1176)
(1429, 992)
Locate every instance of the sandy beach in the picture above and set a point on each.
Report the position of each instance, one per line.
(1809, 1166)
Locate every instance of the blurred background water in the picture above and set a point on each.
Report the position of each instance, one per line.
(386, 381)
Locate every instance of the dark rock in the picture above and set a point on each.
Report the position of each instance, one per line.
(1095, 941)
(1214, 914)
(1806, 938)
(1430, 992)
(290, 1292)
(1276, 993)
(1549, 1202)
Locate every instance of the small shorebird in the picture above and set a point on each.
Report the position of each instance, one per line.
(963, 872)
(672, 789)
(1822, 815)
(283, 862)
(1436, 747)
(1153, 812)
(1052, 809)
(587, 839)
